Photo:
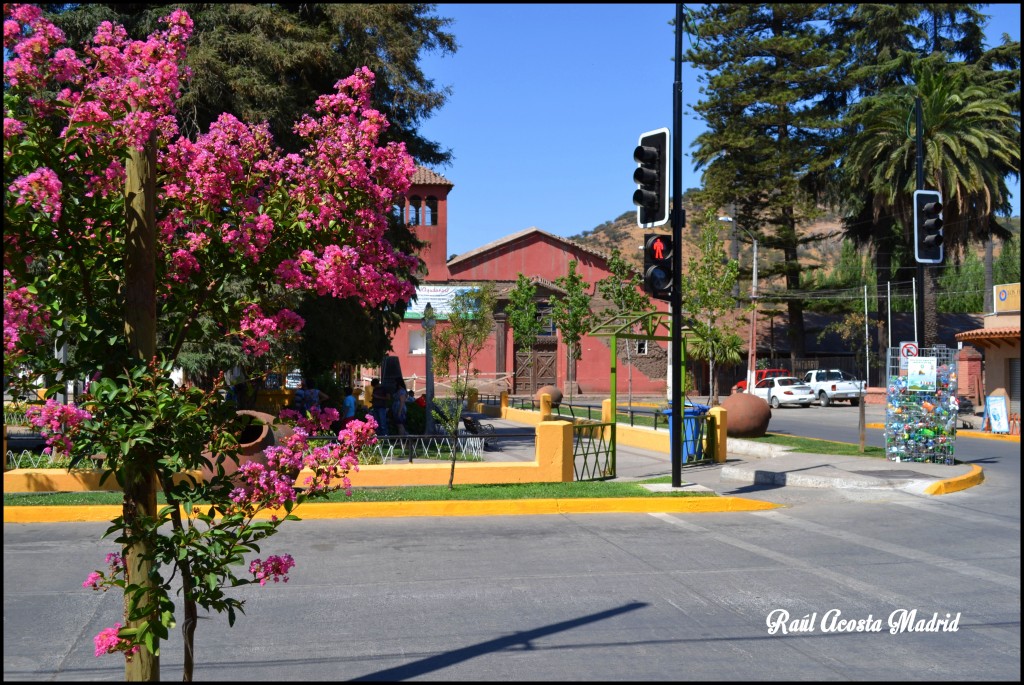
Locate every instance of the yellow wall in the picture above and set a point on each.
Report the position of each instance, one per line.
(553, 464)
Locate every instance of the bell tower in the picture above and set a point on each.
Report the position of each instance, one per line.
(426, 213)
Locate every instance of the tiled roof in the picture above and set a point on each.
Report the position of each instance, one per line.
(426, 177)
(991, 337)
(522, 234)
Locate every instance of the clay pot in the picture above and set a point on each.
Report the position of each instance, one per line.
(556, 394)
(260, 433)
(747, 416)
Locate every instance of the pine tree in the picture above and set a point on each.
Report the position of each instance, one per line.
(770, 103)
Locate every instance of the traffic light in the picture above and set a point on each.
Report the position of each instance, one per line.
(928, 227)
(651, 178)
(658, 278)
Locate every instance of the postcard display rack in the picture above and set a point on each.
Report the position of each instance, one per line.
(921, 405)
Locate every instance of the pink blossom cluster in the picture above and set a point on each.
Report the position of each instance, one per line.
(339, 191)
(23, 318)
(56, 422)
(108, 642)
(273, 567)
(32, 40)
(316, 421)
(98, 581)
(256, 329)
(274, 484)
(232, 203)
(39, 189)
(128, 86)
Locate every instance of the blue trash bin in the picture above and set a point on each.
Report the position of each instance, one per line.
(693, 430)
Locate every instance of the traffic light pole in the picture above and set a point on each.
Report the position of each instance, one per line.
(678, 222)
(919, 141)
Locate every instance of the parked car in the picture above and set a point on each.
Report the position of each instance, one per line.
(830, 385)
(784, 390)
(760, 375)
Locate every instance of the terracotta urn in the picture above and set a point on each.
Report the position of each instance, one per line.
(556, 394)
(747, 416)
(261, 432)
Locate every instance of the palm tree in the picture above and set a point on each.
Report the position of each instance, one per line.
(714, 345)
(971, 144)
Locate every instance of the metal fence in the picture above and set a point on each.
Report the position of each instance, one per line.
(390, 448)
(593, 451)
(651, 417)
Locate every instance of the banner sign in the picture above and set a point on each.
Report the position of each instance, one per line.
(439, 297)
(995, 410)
(921, 374)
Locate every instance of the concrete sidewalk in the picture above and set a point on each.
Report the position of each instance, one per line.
(753, 463)
(763, 468)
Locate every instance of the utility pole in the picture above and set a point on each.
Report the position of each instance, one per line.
(678, 222)
(919, 314)
(752, 348)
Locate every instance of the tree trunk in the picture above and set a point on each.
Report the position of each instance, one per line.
(140, 331)
(189, 608)
(140, 502)
(989, 274)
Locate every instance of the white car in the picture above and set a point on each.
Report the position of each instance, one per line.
(784, 390)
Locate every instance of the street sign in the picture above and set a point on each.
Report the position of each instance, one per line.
(908, 349)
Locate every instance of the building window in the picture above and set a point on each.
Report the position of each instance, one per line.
(641, 347)
(414, 211)
(430, 218)
(547, 323)
(417, 341)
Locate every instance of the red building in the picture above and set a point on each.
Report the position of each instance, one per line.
(541, 256)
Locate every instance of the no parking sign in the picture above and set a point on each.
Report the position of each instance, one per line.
(908, 349)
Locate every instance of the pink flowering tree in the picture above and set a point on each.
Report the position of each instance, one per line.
(119, 236)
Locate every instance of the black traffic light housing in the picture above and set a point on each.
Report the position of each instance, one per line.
(651, 178)
(658, 277)
(928, 227)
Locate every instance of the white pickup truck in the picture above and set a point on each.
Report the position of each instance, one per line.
(830, 385)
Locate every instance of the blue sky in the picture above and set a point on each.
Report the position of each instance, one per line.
(547, 104)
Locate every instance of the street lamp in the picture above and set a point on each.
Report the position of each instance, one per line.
(428, 322)
(752, 341)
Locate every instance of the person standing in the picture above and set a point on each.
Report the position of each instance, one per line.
(398, 408)
(379, 404)
(308, 397)
(348, 406)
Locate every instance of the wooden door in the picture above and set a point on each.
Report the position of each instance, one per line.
(535, 368)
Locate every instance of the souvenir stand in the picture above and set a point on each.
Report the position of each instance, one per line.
(921, 405)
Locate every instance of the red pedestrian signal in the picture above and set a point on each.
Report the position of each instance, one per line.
(658, 278)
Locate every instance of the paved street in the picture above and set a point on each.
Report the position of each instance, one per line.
(584, 596)
(569, 597)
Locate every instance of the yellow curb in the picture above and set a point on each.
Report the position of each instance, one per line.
(61, 514)
(968, 480)
(965, 433)
(348, 510)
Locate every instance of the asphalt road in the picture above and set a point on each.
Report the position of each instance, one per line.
(582, 597)
(573, 597)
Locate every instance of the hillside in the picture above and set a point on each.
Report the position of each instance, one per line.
(624, 234)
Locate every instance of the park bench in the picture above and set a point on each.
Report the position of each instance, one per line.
(483, 430)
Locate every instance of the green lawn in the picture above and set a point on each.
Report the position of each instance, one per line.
(417, 493)
(816, 446)
(420, 493)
